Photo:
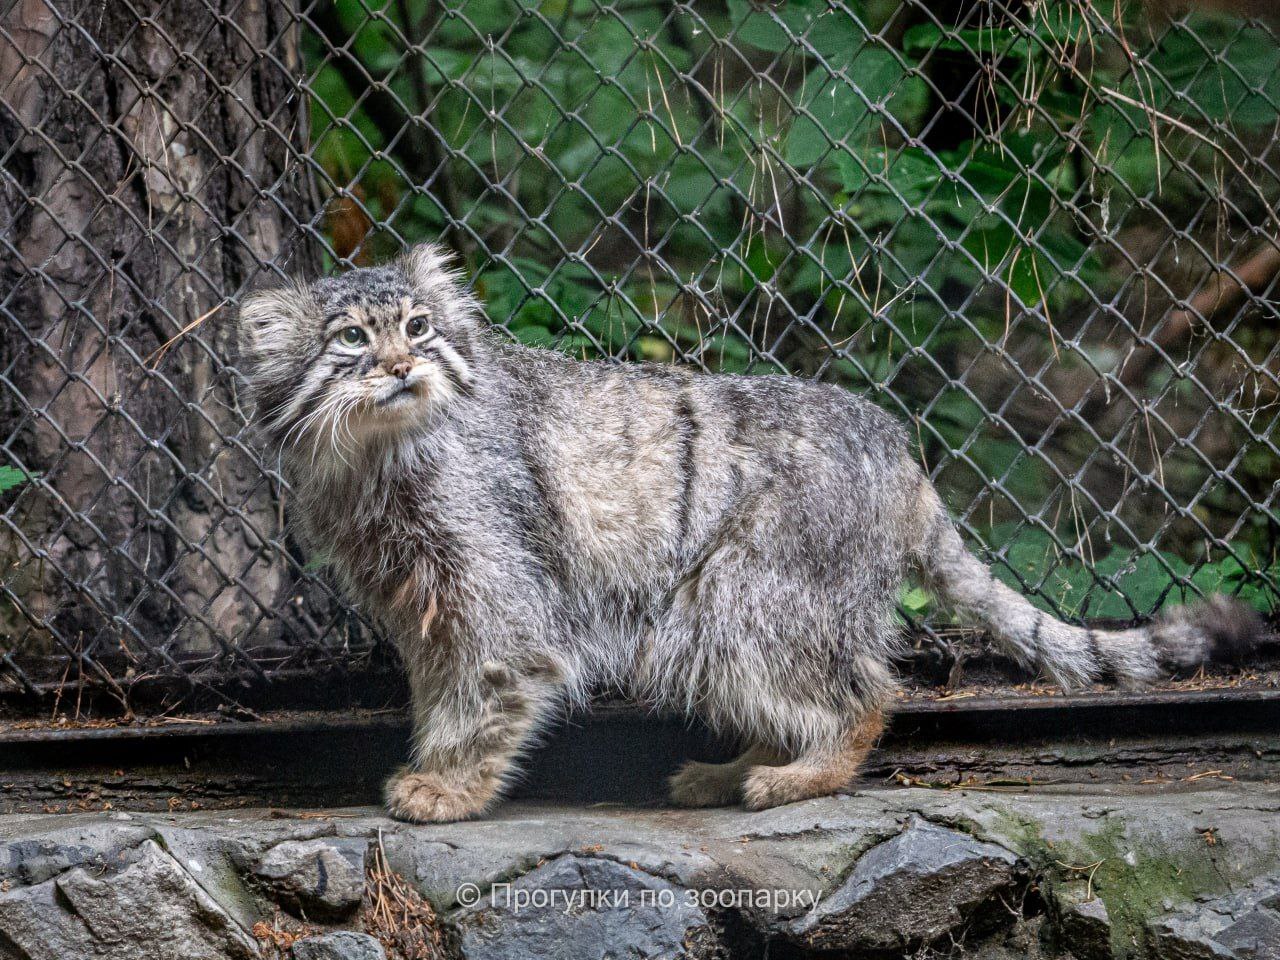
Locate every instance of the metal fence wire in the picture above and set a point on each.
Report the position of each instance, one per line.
(1044, 233)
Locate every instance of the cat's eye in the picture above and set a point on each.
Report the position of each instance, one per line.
(416, 326)
(353, 336)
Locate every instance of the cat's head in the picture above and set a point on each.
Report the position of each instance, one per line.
(350, 361)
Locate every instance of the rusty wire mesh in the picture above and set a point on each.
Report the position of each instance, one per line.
(1043, 233)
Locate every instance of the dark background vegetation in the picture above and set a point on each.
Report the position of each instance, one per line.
(1043, 233)
(967, 209)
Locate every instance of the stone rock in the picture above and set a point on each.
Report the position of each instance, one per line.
(1083, 922)
(215, 862)
(343, 945)
(150, 910)
(1022, 941)
(101, 847)
(1241, 926)
(1255, 936)
(1186, 938)
(913, 889)
(39, 926)
(437, 858)
(826, 847)
(540, 916)
(322, 879)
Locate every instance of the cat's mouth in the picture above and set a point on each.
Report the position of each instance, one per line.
(398, 395)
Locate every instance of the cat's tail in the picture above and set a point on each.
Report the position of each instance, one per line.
(1220, 629)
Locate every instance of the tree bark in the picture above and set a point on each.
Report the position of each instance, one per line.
(152, 170)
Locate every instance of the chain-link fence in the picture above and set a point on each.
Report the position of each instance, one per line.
(1044, 233)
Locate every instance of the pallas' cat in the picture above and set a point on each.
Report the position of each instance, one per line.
(529, 528)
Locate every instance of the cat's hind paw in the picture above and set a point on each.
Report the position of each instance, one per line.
(766, 787)
(706, 785)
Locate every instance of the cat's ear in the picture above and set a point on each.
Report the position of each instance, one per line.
(429, 265)
(433, 272)
(274, 318)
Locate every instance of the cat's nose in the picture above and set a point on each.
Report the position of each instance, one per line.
(400, 369)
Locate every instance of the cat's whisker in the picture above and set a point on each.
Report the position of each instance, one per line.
(340, 404)
(303, 423)
(342, 424)
(322, 415)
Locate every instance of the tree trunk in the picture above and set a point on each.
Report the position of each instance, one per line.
(151, 170)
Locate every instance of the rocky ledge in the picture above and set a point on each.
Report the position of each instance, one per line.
(1179, 872)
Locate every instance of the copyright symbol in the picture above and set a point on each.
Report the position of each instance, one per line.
(468, 895)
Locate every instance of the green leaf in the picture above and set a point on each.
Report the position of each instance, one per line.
(1141, 583)
(831, 33)
(1002, 255)
(840, 108)
(915, 600)
(990, 245)
(989, 41)
(1025, 279)
(534, 335)
(440, 65)
(11, 477)
(1237, 81)
(910, 172)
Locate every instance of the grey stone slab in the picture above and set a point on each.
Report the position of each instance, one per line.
(924, 884)
(1242, 926)
(1160, 887)
(149, 910)
(343, 945)
(106, 844)
(320, 879)
(581, 908)
(1084, 922)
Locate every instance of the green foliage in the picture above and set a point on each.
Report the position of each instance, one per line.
(915, 601)
(1118, 584)
(1113, 582)
(11, 477)
(791, 159)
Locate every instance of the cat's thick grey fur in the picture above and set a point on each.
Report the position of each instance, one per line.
(529, 528)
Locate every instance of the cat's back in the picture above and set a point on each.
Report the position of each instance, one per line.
(659, 449)
(774, 409)
(761, 406)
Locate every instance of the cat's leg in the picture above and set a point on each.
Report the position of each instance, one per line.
(814, 773)
(717, 784)
(466, 736)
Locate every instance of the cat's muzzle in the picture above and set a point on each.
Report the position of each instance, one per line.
(400, 391)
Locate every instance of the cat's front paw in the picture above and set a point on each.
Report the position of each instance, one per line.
(427, 798)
